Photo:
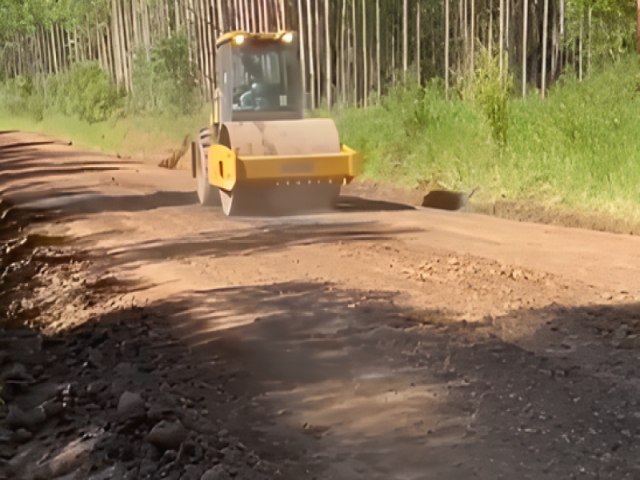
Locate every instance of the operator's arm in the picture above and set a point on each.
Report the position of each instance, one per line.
(247, 100)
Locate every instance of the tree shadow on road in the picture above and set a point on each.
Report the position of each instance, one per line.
(364, 377)
(250, 241)
(347, 384)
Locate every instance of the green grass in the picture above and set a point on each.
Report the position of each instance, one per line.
(133, 135)
(578, 149)
(83, 104)
(401, 150)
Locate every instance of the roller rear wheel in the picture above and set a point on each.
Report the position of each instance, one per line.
(207, 194)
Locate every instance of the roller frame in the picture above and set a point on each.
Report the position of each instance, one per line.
(226, 169)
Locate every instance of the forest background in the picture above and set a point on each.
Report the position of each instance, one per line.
(527, 100)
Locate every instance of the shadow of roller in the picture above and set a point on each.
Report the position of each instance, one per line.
(358, 204)
(268, 200)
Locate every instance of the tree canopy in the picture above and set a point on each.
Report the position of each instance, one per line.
(350, 48)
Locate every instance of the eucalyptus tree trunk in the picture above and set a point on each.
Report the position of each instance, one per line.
(355, 49)
(54, 52)
(378, 65)
(525, 35)
(394, 80)
(405, 38)
(128, 42)
(312, 74)
(146, 30)
(580, 47)
(638, 26)
(220, 20)
(76, 41)
(418, 37)
(507, 27)
(243, 17)
(303, 56)
(490, 42)
(262, 21)
(365, 56)
(343, 53)
(590, 52)
(446, 46)
(328, 78)
(501, 38)
(555, 46)
(464, 20)
(317, 54)
(545, 28)
(283, 15)
(123, 48)
(209, 49)
(115, 43)
(473, 36)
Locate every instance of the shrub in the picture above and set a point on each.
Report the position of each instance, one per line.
(490, 90)
(418, 136)
(88, 92)
(163, 79)
(85, 91)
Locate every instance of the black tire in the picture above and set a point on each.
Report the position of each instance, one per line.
(207, 193)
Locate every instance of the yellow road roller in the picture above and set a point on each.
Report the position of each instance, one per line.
(260, 156)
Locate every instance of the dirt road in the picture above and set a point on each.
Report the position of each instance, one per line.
(380, 341)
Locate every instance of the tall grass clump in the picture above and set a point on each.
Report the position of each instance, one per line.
(490, 90)
(581, 144)
(416, 136)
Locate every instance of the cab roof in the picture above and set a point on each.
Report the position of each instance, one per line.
(252, 37)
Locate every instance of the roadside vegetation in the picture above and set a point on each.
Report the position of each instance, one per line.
(84, 104)
(579, 148)
(439, 113)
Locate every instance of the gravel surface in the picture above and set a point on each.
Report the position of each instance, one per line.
(146, 337)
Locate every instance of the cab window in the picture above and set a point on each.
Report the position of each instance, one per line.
(262, 80)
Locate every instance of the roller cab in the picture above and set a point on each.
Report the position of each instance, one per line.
(260, 155)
